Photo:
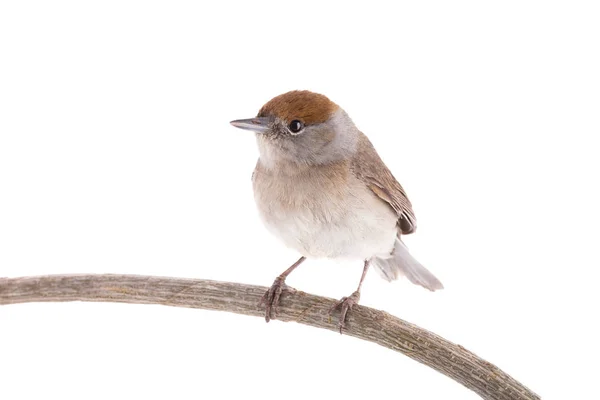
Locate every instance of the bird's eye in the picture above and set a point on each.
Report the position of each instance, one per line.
(296, 126)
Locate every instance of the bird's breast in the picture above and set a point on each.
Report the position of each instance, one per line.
(324, 212)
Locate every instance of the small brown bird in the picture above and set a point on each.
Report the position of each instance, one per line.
(322, 189)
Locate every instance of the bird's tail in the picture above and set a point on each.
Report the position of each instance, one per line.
(401, 263)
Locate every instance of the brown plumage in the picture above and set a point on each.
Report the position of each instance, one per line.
(308, 107)
(369, 168)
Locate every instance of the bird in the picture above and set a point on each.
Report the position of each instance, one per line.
(322, 189)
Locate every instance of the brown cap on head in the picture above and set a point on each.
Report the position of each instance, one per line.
(308, 107)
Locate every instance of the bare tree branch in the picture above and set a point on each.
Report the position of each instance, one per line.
(365, 323)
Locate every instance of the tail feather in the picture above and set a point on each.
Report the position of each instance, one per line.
(402, 263)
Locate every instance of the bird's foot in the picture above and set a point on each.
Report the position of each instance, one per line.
(272, 296)
(345, 305)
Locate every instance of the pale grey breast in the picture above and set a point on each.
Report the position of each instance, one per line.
(324, 211)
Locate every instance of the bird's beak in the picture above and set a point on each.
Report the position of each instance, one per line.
(258, 124)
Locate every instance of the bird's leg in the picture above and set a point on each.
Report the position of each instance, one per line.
(346, 303)
(272, 296)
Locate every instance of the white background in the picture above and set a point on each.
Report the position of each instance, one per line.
(116, 156)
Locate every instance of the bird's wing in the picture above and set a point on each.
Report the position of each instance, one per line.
(370, 169)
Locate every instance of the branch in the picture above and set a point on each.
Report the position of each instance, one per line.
(365, 323)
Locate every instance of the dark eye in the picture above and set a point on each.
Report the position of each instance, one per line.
(296, 126)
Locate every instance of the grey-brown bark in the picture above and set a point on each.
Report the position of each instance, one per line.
(365, 323)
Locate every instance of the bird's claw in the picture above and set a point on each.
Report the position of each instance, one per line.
(345, 305)
(271, 298)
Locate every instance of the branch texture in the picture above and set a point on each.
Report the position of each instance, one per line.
(365, 323)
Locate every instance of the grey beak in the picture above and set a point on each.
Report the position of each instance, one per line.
(258, 124)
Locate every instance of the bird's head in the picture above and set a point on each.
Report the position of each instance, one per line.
(302, 127)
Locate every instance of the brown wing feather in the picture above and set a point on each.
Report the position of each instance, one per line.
(369, 168)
